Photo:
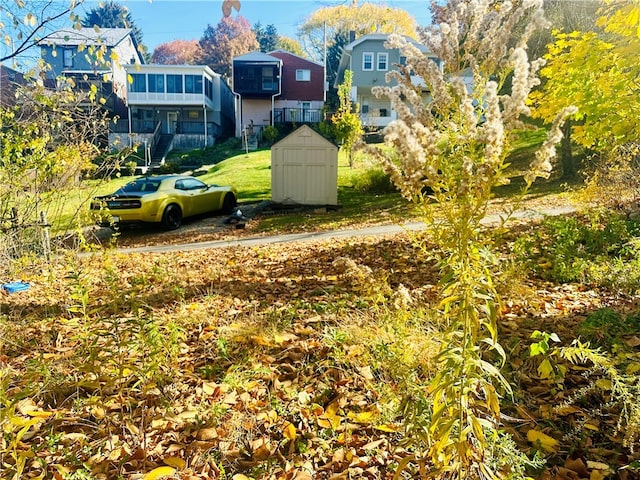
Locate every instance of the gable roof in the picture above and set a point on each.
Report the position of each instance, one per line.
(289, 54)
(383, 37)
(305, 131)
(88, 36)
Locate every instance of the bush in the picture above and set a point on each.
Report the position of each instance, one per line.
(602, 249)
(131, 167)
(374, 180)
(270, 134)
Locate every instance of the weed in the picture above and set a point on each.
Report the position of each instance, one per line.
(373, 180)
(598, 249)
(606, 326)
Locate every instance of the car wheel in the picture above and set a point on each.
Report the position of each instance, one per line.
(229, 203)
(172, 217)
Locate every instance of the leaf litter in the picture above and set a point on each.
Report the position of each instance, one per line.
(275, 362)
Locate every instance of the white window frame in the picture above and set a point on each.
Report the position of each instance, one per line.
(303, 75)
(67, 58)
(371, 57)
(383, 59)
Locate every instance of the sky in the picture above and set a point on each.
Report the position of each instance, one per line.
(166, 20)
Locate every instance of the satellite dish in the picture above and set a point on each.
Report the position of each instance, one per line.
(227, 5)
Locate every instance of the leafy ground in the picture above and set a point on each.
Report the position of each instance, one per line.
(286, 361)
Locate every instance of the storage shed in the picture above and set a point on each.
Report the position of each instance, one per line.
(304, 169)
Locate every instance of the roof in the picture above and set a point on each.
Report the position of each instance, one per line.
(87, 36)
(257, 57)
(381, 36)
(284, 52)
(169, 68)
(304, 131)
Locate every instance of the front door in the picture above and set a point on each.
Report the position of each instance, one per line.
(172, 122)
(306, 114)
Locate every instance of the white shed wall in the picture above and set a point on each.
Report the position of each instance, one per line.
(304, 169)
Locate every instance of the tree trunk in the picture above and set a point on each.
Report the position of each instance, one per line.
(566, 154)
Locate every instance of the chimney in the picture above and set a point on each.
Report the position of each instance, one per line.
(352, 36)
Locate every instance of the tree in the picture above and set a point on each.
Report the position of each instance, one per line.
(346, 122)
(448, 154)
(230, 38)
(290, 45)
(360, 19)
(113, 15)
(47, 144)
(25, 24)
(267, 37)
(596, 71)
(566, 16)
(334, 53)
(177, 52)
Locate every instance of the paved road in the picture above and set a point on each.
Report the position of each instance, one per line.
(306, 237)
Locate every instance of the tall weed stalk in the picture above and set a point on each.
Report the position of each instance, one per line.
(447, 154)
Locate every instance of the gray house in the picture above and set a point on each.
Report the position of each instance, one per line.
(370, 61)
(93, 57)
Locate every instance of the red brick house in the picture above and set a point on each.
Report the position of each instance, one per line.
(276, 88)
(303, 93)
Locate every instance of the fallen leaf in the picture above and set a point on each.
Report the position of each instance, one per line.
(547, 443)
(160, 472)
(289, 432)
(175, 462)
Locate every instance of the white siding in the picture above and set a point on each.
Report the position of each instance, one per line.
(304, 169)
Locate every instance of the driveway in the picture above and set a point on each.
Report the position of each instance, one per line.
(388, 229)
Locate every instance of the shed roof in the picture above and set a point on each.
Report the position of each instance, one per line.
(308, 132)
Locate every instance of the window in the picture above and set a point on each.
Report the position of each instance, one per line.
(268, 80)
(67, 58)
(367, 61)
(190, 184)
(193, 84)
(208, 89)
(174, 83)
(156, 83)
(364, 109)
(138, 82)
(303, 75)
(403, 60)
(383, 61)
(383, 112)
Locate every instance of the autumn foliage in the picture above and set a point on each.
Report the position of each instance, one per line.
(177, 52)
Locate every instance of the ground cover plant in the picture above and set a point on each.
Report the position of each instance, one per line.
(282, 361)
(435, 355)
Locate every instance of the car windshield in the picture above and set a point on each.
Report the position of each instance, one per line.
(141, 185)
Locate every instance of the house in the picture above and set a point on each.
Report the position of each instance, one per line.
(302, 94)
(93, 57)
(174, 107)
(369, 60)
(276, 88)
(10, 80)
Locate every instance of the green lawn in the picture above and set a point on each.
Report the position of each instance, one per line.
(250, 174)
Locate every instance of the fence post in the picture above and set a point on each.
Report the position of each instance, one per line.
(46, 241)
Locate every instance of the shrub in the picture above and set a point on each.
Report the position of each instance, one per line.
(270, 134)
(373, 180)
(131, 167)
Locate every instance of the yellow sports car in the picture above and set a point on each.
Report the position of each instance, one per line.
(162, 199)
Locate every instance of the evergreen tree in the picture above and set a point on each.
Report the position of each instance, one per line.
(267, 37)
(113, 15)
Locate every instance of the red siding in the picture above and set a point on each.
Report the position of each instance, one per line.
(295, 90)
